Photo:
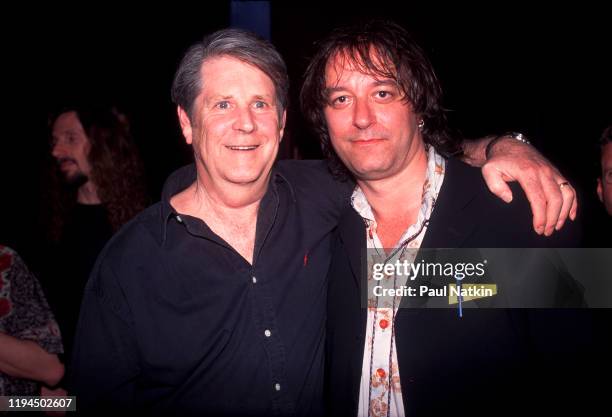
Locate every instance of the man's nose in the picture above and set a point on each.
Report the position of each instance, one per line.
(58, 150)
(244, 121)
(363, 116)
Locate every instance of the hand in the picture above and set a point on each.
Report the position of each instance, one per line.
(551, 197)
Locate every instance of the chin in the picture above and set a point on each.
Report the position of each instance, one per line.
(244, 177)
(74, 178)
(369, 172)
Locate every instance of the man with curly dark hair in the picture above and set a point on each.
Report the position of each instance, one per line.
(97, 163)
(374, 99)
(95, 187)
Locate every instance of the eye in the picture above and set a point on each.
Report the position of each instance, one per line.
(340, 101)
(223, 105)
(383, 94)
(260, 104)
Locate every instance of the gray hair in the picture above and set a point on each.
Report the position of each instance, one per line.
(236, 43)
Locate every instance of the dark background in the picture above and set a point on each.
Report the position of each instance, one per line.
(544, 72)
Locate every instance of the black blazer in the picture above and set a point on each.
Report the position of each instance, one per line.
(490, 361)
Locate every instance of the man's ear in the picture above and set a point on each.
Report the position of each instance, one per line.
(282, 127)
(185, 125)
(600, 190)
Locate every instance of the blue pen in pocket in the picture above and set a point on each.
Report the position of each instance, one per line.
(459, 297)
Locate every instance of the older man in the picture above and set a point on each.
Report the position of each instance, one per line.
(213, 300)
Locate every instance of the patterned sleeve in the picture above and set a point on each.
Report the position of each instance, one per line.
(27, 314)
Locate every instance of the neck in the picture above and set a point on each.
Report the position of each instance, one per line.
(230, 212)
(230, 195)
(88, 194)
(235, 203)
(224, 206)
(398, 196)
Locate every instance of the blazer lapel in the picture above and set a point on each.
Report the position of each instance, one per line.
(452, 221)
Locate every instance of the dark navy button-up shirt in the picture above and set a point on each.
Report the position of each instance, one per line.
(174, 320)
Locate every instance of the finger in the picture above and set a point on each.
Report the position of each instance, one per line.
(568, 193)
(495, 182)
(574, 209)
(554, 204)
(535, 194)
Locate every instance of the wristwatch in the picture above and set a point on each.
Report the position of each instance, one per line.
(514, 135)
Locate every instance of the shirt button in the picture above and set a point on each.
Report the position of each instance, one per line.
(268, 333)
(277, 386)
(254, 280)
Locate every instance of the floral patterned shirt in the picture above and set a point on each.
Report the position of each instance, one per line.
(380, 391)
(24, 314)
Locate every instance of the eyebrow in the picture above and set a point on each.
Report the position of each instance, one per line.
(67, 131)
(220, 97)
(331, 90)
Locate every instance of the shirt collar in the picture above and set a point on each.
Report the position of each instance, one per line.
(185, 176)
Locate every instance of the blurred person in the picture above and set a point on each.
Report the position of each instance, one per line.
(96, 186)
(604, 181)
(597, 216)
(30, 339)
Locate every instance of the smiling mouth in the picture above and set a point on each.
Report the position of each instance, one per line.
(243, 148)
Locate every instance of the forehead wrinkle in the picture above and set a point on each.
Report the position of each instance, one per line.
(248, 64)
